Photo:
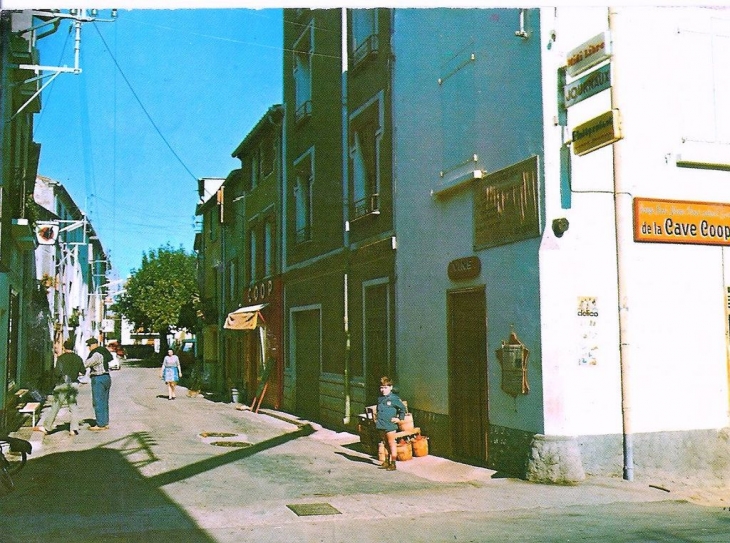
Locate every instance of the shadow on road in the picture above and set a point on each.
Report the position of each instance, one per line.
(92, 495)
(216, 461)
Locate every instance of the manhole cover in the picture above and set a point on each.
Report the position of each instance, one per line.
(310, 509)
(217, 434)
(230, 443)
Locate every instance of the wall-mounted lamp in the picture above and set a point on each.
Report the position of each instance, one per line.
(560, 226)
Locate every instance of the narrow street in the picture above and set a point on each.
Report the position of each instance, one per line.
(157, 475)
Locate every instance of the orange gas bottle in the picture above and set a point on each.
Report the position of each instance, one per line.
(404, 450)
(420, 446)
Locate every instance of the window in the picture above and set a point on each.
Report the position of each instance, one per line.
(268, 248)
(704, 59)
(255, 168)
(702, 82)
(232, 275)
(303, 184)
(268, 155)
(303, 74)
(252, 253)
(365, 135)
(364, 34)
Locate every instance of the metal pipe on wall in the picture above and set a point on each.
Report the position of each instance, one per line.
(624, 235)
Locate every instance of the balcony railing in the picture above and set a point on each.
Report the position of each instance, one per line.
(304, 111)
(370, 205)
(304, 234)
(366, 49)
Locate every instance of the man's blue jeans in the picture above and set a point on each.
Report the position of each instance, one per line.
(100, 386)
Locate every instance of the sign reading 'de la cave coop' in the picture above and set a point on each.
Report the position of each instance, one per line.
(676, 221)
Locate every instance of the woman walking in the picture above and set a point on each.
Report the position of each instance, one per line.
(170, 373)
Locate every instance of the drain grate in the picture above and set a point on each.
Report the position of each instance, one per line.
(239, 444)
(217, 434)
(311, 509)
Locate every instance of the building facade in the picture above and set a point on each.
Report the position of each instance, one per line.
(19, 154)
(253, 288)
(72, 266)
(338, 241)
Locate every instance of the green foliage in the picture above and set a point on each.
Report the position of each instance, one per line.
(163, 292)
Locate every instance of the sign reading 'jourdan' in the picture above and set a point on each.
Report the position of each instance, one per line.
(674, 221)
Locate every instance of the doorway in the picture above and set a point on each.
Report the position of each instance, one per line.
(377, 338)
(467, 366)
(307, 361)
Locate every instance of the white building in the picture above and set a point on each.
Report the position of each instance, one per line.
(72, 262)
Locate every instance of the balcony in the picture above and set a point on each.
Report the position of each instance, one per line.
(303, 111)
(304, 234)
(367, 49)
(370, 205)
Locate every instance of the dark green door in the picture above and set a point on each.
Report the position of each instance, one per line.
(307, 356)
(467, 344)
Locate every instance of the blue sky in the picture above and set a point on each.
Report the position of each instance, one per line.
(203, 76)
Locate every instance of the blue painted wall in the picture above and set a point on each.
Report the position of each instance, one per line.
(464, 84)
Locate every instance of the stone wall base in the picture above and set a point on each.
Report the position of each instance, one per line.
(554, 459)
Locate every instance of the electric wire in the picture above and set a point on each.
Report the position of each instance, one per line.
(253, 44)
(141, 105)
(47, 98)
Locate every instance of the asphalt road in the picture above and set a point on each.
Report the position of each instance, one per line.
(158, 475)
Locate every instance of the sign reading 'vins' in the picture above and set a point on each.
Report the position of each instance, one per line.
(506, 206)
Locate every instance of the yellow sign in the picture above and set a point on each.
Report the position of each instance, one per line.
(596, 133)
(673, 221)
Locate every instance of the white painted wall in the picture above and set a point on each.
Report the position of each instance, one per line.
(676, 294)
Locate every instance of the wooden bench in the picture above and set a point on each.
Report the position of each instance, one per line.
(32, 409)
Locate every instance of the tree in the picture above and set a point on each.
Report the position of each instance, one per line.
(163, 293)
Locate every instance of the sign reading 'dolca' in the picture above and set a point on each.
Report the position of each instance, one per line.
(588, 54)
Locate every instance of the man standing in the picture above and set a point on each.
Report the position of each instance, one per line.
(68, 368)
(101, 382)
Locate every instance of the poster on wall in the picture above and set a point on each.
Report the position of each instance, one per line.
(587, 316)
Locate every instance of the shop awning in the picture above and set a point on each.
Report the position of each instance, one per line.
(245, 318)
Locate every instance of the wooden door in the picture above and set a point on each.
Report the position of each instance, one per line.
(307, 360)
(467, 348)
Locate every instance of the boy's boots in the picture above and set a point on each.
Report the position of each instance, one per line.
(391, 466)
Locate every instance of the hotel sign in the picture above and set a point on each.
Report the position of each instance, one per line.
(585, 87)
(588, 54)
(675, 221)
(596, 133)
